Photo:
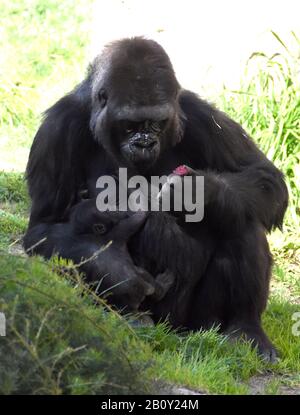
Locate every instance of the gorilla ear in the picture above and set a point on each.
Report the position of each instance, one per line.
(102, 96)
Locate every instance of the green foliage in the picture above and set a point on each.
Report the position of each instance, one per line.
(278, 322)
(42, 45)
(12, 225)
(13, 188)
(14, 204)
(59, 341)
(204, 359)
(268, 106)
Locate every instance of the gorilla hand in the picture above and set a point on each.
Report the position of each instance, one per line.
(184, 189)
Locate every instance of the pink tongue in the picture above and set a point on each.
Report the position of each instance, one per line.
(181, 170)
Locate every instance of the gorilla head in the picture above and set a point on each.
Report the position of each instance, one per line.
(135, 112)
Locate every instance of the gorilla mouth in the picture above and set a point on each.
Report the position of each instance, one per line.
(141, 152)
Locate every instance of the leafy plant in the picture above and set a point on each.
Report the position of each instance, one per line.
(268, 106)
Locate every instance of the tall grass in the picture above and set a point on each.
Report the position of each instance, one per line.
(42, 56)
(268, 106)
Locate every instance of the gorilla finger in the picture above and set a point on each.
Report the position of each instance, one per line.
(146, 276)
(163, 283)
(166, 279)
(184, 170)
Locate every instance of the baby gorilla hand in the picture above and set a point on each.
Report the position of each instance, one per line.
(124, 286)
(161, 283)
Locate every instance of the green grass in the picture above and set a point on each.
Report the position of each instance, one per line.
(58, 341)
(60, 338)
(268, 106)
(42, 45)
(14, 207)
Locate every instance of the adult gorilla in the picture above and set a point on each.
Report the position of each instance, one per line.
(131, 112)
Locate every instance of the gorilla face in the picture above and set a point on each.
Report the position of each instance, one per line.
(135, 110)
(141, 132)
(136, 134)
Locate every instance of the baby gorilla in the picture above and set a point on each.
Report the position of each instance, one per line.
(127, 283)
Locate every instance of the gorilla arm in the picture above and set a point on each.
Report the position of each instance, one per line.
(240, 183)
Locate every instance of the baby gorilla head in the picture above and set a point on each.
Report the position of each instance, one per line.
(87, 219)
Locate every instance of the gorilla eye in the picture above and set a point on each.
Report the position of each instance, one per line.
(131, 127)
(102, 96)
(99, 228)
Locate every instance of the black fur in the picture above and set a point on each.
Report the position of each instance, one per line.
(221, 265)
